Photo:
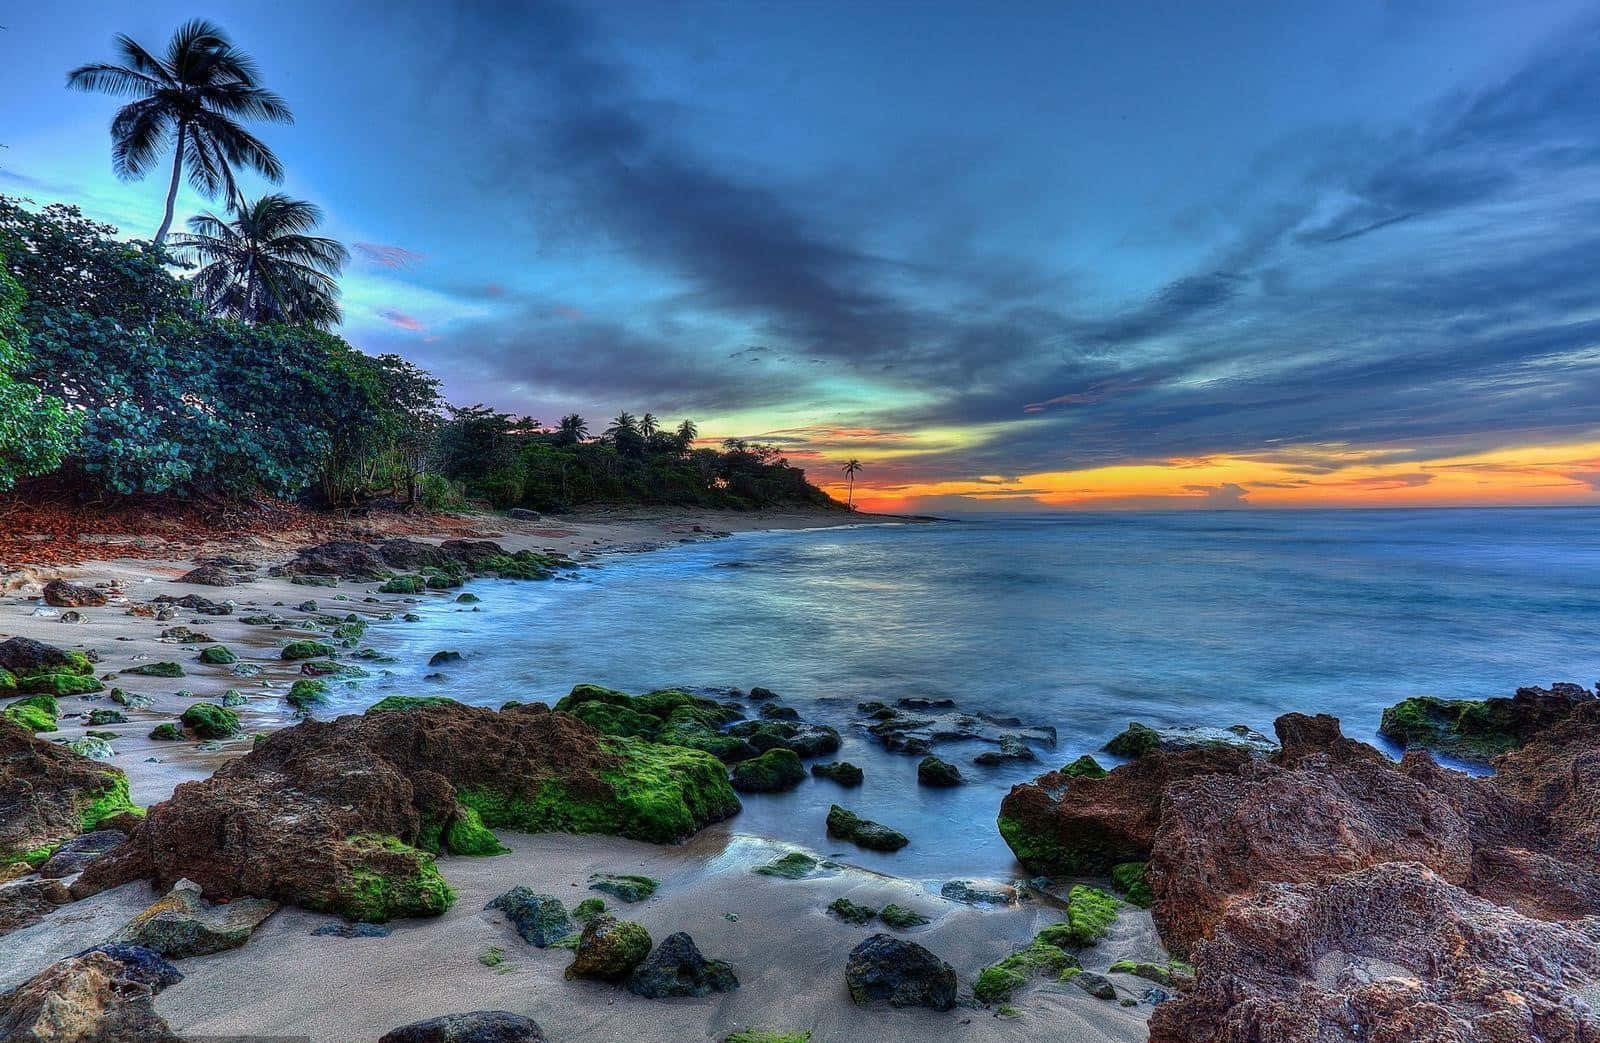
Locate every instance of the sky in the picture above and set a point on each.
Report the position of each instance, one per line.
(1015, 256)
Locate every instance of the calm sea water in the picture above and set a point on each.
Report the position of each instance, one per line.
(1084, 622)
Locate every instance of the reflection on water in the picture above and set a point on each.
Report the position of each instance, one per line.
(1083, 622)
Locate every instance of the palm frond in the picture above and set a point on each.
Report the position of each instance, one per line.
(140, 133)
(111, 79)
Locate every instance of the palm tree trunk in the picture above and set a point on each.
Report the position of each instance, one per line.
(172, 189)
(850, 500)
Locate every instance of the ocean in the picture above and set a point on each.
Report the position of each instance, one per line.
(1083, 622)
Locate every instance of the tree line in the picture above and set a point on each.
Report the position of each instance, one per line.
(118, 377)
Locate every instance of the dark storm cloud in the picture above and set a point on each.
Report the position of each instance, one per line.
(1431, 287)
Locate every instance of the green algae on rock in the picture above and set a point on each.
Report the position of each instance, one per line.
(767, 1036)
(306, 649)
(609, 949)
(164, 669)
(1090, 913)
(1479, 729)
(851, 912)
(901, 918)
(306, 693)
(796, 865)
(168, 731)
(37, 713)
(390, 703)
(218, 655)
(404, 585)
(210, 721)
(376, 891)
(772, 772)
(842, 772)
(847, 825)
(1129, 879)
(626, 887)
(588, 909)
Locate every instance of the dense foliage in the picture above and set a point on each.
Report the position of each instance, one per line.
(116, 380)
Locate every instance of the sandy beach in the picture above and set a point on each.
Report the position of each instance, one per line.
(786, 949)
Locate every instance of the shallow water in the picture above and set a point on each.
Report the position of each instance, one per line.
(1084, 622)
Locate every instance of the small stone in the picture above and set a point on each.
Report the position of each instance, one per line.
(479, 1026)
(539, 918)
(677, 968)
(936, 772)
(184, 924)
(625, 887)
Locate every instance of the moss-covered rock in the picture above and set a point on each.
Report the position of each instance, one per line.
(772, 772)
(1085, 767)
(8, 683)
(796, 865)
(626, 887)
(389, 880)
(210, 721)
(393, 703)
(168, 731)
(37, 713)
(851, 912)
(767, 1036)
(847, 825)
(842, 772)
(1468, 729)
(218, 655)
(937, 772)
(404, 585)
(539, 918)
(306, 649)
(1130, 880)
(101, 716)
(1043, 956)
(1134, 741)
(163, 669)
(901, 918)
(59, 683)
(1090, 914)
(306, 693)
(609, 949)
(588, 909)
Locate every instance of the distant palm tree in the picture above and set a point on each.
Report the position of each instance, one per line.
(850, 468)
(687, 432)
(263, 266)
(624, 433)
(572, 430)
(192, 99)
(649, 425)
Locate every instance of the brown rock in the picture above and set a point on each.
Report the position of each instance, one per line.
(60, 593)
(47, 792)
(27, 902)
(1389, 954)
(340, 815)
(1060, 825)
(103, 995)
(212, 576)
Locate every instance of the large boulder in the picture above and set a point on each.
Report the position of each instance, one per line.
(1065, 823)
(900, 972)
(1389, 954)
(104, 995)
(49, 793)
(1480, 729)
(183, 924)
(479, 1026)
(346, 815)
(348, 558)
(677, 968)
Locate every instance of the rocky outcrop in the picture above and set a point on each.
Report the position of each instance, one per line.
(345, 816)
(351, 559)
(479, 1026)
(48, 793)
(183, 924)
(1389, 954)
(901, 973)
(1480, 729)
(1064, 823)
(60, 593)
(677, 968)
(103, 995)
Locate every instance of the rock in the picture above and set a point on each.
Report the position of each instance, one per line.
(624, 887)
(343, 558)
(160, 669)
(479, 1026)
(772, 772)
(1149, 971)
(1480, 729)
(233, 697)
(609, 949)
(23, 656)
(212, 576)
(1011, 749)
(100, 717)
(915, 735)
(874, 836)
(91, 746)
(48, 793)
(900, 972)
(1388, 953)
(676, 968)
(306, 649)
(1138, 739)
(26, 902)
(72, 616)
(354, 930)
(1097, 985)
(467, 598)
(218, 655)
(540, 919)
(1059, 825)
(183, 924)
(522, 514)
(168, 731)
(196, 603)
(103, 995)
(978, 892)
(344, 816)
(933, 771)
(852, 913)
(440, 658)
(210, 721)
(61, 594)
(79, 851)
(842, 772)
(796, 865)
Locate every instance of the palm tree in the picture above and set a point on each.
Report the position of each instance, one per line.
(649, 425)
(264, 266)
(624, 431)
(572, 429)
(850, 468)
(687, 432)
(191, 98)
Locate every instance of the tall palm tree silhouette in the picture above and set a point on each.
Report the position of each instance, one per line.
(850, 468)
(191, 98)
